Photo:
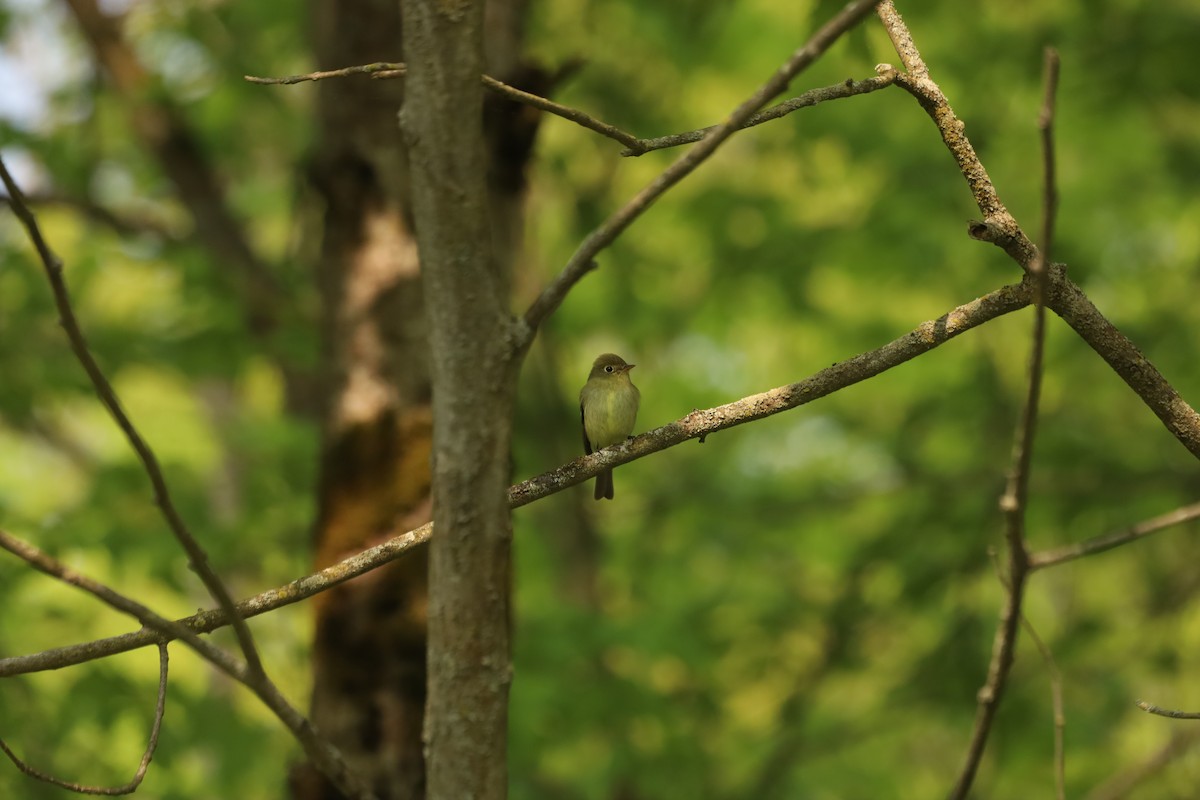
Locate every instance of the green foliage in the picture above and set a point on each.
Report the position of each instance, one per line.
(802, 607)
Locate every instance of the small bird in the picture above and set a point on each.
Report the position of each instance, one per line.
(608, 406)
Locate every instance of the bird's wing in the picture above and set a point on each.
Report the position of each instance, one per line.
(587, 446)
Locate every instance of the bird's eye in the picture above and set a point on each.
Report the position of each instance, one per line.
(608, 368)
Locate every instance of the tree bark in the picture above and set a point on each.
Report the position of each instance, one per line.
(474, 370)
(369, 657)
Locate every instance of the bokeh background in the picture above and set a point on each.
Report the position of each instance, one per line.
(803, 607)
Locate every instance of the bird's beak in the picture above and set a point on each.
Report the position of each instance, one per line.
(629, 367)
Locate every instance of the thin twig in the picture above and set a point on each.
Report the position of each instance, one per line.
(323, 754)
(1099, 544)
(1056, 700)
(392, 69)
(1056, 690)
(384, 69)
(633, 145)
(1014, 503)
(126, 788)
(108, 397)
(1049, 187)
(1150, 708)
(1004, 643)
(566, 112)
(812, 97)
(695, 425)
(582, 260)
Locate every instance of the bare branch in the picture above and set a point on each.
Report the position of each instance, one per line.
(697, 424)
(1013, 504)
(387, 68)
(207, 621)
(580, 262)
(1000, 228)
(633, 145)
(126, 788)
(1150, 708)
(1056, 700)
(320, 751)
(702, 423)
(1070, 303)
(1046, 126)
(1056, 691)
(384, 69)
(1099, 544)
(847, 88)
(998, 225)
(566, 112)
(108, 397)
(55, 569)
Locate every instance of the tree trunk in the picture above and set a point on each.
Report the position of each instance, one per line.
(474, 379)
(369, 645)
(369, 657)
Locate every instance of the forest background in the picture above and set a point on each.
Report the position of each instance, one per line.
(800, 607)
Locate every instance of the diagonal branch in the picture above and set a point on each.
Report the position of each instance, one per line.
(633, 145)
(583, 259)
(998, 225)
(322, 753)
(1099, 544)
(566, 112)
(211, 620)
(1069, 302)
(847, 88)
(1150, 708)
(160, 706)
(695, 425)
(389, 69)
(1000, 228)
(702, 423)
(108, 397)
